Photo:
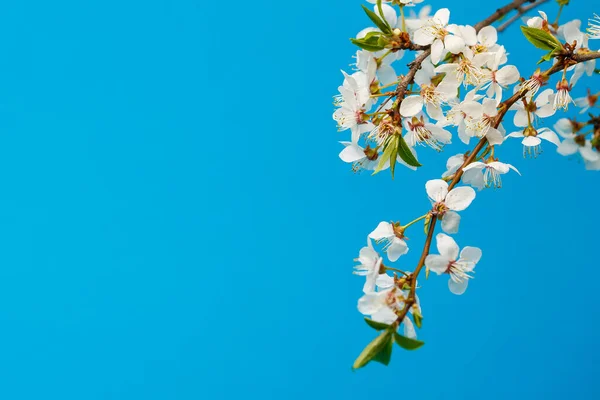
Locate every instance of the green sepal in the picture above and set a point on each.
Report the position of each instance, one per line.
(376, 325)
(418, 318)
(407, 343)
(381, 24)
(563, 2)
(379, 344)
(541, 39)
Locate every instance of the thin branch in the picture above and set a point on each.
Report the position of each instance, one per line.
(520, 13)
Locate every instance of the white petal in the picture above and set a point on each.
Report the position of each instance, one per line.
(383, 230)
(422, 37)
(531, 141)
(494, 136)
(474, 177)
(454, 44)
(450, 222)
(447, 246)
(520, 119)
(370, 303)
(351, 153)
(409, 329)
(437, 49)
(488, 36)
(411, 106)
(437, 263)
(507, 75)
(442, 16)
(567, 148)
(437, 189)
(386, 74)
(472, 254)
(549, 136)
(460, 198)
(384, 281)
(458, 288)
(396, 249)
(545, 111)
(588, 154)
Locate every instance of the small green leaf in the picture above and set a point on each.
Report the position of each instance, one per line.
(376, 325)
(379, 344)
(549, 56)
(381, 24)
(541, 39)
(371, 43)
(407, 343)
(385, 355)
(388, 148)
(393, 159)
(405, 153)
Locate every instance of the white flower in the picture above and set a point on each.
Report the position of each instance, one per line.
(453, 164)
(381, 306)
(437, 33)
(382, 70)
(430, 96)
(393, 237)
(594, 27)
(537, 22)
(416, 21)
(464, 71)
(480, 120)
(563, 96)
(354, 101)
(572, 34)
(369, 267)
(486, 40)
(587, 102)
(541, 108)
(574, 144)
(445, 204)
(486, 174)
(449, 262)
(361, 159)
(494, 79)
(420, 131)
(532, 140)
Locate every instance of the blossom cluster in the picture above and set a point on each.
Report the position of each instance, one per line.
(459, 82)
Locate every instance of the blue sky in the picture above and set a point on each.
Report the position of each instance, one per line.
(176, 223)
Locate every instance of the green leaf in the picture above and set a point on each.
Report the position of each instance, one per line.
(541, 39)
(405, 153)
(388, 148)
(376, 325)
(369, 43)
(379, 344)
(385, 355)
(549, 56)
(381, 24)
(407, 343)
(394, 158)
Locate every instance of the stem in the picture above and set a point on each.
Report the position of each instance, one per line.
(403, 20)
(415, 221)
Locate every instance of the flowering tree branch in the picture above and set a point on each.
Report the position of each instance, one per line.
(450, 57)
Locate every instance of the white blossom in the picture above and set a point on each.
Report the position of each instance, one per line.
(459, 267)
(447, 203)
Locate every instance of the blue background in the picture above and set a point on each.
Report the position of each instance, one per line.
(175, 222)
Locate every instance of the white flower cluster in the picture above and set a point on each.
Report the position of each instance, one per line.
(459, 80)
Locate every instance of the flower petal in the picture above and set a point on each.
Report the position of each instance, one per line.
(450, 222)
(460, 198)
(447, 246)
(472, 254)
(383, 230)
(458, 288)
(437, 189)
(437, 263)
(411, 106)
(396, 249)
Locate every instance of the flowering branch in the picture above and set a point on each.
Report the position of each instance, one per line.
(450, 57)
